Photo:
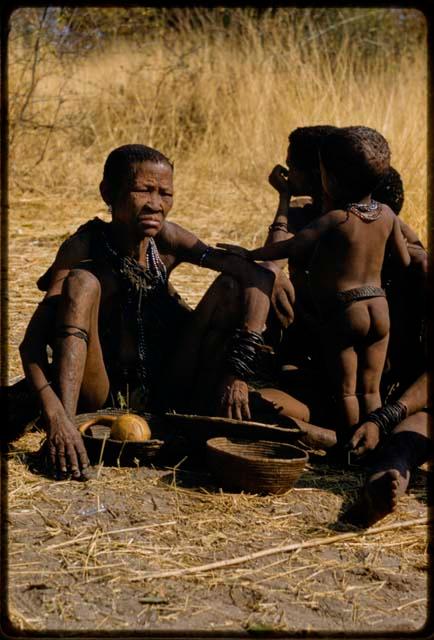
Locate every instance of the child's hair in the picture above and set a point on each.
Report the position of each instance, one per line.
(120, 161)
(390, 191)
(305, 143)
(357, 158)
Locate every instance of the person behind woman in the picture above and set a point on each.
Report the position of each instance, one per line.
(301, 371)
(342, 252)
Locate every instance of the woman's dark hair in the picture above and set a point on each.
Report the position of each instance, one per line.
(358, 158)
(120, 163)
(305, 143)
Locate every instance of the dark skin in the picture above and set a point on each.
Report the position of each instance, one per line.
(342, 252)
(383, 489)
(87, 295)
(290, 181)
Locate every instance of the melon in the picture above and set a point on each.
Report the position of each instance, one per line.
(130, 426)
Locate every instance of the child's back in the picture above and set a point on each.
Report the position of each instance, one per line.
(348, 251)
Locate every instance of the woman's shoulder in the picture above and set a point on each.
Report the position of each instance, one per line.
(74, 249)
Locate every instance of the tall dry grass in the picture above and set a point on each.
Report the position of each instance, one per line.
(220, 102)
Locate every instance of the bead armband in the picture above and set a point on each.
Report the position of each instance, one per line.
(242, 353)
(278, 226)
(386, 418)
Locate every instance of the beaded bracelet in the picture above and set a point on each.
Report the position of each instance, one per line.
(204, 255)
(387, 417)
(278, 226)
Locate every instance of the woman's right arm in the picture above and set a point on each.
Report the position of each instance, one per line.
(65, 445)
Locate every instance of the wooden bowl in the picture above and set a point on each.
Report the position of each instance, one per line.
(95, 430)
(257, 467)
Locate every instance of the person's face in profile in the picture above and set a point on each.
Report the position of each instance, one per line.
(299, 182)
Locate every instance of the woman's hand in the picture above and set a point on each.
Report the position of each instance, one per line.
(278, 179)
(66, 448)
(234, 398)
(365, 439)
(283, 294)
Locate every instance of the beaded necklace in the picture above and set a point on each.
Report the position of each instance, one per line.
(141, 288)
(367, 212)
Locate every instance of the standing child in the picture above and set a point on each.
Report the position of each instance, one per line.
(342, 253)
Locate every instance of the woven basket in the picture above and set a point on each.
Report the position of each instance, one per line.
(100, 447)
(257, 467)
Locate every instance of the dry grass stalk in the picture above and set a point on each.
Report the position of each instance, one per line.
(108, 533)
(287, 548)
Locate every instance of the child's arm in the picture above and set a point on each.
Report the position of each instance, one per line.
(295, 249)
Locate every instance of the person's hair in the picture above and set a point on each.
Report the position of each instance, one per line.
(390, 191)
(120, 162)
(357, 158)
(305, 143)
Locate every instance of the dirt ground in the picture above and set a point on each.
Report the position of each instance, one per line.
(87, 556)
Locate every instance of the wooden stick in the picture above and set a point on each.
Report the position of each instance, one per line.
(285, 549)
(107, 533)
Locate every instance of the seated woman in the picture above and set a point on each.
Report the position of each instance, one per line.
(112, 322)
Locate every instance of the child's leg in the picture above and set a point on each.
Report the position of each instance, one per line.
(341, 364)
(372, 360)
(342, 337)
(348, 403)
(372, 355)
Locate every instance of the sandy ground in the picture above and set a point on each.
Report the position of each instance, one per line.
(86, 556)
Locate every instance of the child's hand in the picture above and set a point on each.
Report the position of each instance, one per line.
(278, 179)
(235, 250)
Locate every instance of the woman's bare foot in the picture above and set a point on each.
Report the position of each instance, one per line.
(378, 498)
(316, 437)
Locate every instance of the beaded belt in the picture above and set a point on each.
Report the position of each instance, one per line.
(360, 293)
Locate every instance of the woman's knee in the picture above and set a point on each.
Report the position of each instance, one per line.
(418, 423)
(223, 302)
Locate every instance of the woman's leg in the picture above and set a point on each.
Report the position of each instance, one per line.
(409, 446)
(195, 366)
(372, 355)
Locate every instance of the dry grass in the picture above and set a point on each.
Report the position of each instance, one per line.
(221, 105)
(84, 570)
(222, 109)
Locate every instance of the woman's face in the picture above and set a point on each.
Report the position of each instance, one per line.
(145, 199)
(300, 182)
(326, 181)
